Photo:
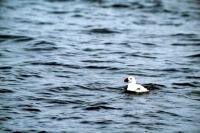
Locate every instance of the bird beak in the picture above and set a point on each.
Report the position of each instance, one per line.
(126, 80)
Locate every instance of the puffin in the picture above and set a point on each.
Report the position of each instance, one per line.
(133, 87)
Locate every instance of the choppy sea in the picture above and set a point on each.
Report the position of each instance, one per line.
(62, 64)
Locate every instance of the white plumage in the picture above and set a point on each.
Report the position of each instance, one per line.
(133, 87)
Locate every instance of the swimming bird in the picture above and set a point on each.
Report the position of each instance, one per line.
(133, 87)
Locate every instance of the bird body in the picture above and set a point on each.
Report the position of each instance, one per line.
(133, 87)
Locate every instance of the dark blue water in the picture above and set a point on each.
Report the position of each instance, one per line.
(62, 65)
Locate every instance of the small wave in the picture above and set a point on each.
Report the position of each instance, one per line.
(152, 86)
(74, 117)
(92, 50)
(58, 101)
(4, 118)
(130, 116)
(143, 56)
(58, 118)
(170, 70)
(58, 0)
(62, 101)
(44, 23)
(125, 44)
(58, 89)
(30, 75)
(108, 43)
(149, 44)
(45, 94)
(55, 101)
(31, 109)
(42, 132)
(99, 106)
(130, 5)
(41, 49)
(43, 43)
(5, 67)
(102, 31)
(2, 90)
(193, 40)
(185, 44)
(196, 93)
(96, 61)
(193, 77)
(84, 87)
(120, 5)
(194, 56)
(191, 84)
(118, 52)
(25, 39)
(95, 1)
(102, 67)
(10, 37)
(105, 122)
(92, 108)
(169, 113)
(185, 14)
(144, 74)
(144, 22)
(102, 122)
(52, 64)
(77, 15)
(136, 123)
(17, 38)
(59, 12)
(187, 35)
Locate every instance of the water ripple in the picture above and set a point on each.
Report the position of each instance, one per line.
(62, 65)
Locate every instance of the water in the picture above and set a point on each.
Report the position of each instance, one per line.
(62, 65)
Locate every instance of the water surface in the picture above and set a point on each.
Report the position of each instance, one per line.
(62, 65)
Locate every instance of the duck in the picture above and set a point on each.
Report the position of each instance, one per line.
(133, 86)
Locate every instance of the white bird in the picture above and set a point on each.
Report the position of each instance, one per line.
(133, 87)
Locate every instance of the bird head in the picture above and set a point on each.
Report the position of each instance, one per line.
(130, 79)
